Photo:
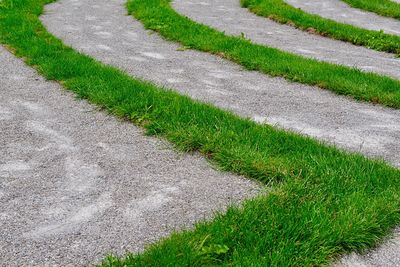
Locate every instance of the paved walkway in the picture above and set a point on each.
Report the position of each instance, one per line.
(101, 29)
(67, 199)
(230, 17)
(340, 11)
(77, 184)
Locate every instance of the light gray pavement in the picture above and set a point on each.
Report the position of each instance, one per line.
(77, 184)
(340, 11)
(230, 17)
(101, 29)
(386, 255)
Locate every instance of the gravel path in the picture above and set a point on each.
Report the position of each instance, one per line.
(342, 12)
(228, 16)
(76, 184)
(101, 29)
(387, 255)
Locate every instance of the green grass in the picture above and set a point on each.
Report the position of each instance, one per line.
(284, 13)
(386, 8)
(159, 16)
(324, 201)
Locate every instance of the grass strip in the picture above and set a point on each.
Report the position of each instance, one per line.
(158, 15)
(284, 13)
(325, 201)
(386, 8)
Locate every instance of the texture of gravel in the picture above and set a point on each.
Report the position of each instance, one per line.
(386, 255)
(101, 29)
(340, 11)
(77, 184)
(230, 17)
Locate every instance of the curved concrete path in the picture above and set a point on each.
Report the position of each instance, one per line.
(341, 12)
(101, 29)
(228, 16)
(77, 184)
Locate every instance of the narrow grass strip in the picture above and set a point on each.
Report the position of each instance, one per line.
(386, 8)
(159, 16)
(325, 202)
(284, 13)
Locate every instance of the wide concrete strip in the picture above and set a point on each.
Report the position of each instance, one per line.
(101, 29)
(77, 184)
(230, 17)
(341, 12)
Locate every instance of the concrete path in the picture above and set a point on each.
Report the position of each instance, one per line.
(340, 11)
(77, 184)
(101, 29)
(386, 255)
(228, 16)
